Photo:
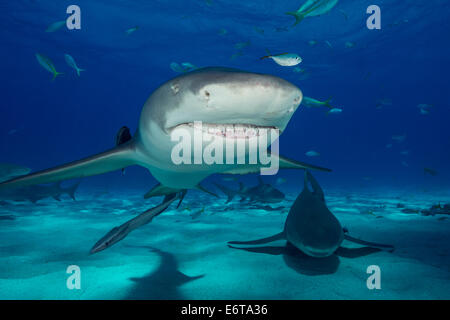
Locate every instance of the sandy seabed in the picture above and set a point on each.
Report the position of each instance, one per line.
(177, 257)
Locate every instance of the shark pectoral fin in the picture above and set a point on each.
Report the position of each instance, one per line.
(386, 247)
(278, 236)
(111, 160)
(283, 163)
(286, 163)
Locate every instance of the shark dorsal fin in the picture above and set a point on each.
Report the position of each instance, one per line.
(317, 190)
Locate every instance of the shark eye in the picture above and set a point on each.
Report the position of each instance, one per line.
(207, 94)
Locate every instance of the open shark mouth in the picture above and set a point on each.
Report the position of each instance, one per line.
(228, 130)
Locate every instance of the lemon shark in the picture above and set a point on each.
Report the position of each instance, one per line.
(219, 98)
(311, 227)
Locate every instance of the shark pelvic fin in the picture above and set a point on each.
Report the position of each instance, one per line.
(160, 190)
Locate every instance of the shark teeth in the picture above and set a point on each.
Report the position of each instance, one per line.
(232, 131)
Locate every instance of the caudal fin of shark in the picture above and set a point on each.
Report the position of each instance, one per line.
(278, 236)
(71, 190)
(111, 160)
(227, 191)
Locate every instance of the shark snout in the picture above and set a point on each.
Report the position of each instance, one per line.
(258, 99)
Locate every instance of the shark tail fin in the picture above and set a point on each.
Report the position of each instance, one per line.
(278, 236)
(386, 247)
(202, 188)
(71, 190)
(111, 160)
(228, 192)
(298, 16)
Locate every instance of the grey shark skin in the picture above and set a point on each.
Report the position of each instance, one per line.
(119, 233)
(215, 96)
(263, 192)
(9, 171)
(311, 227)
(37, 192)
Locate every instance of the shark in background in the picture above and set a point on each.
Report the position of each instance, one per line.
(9, 171)
(262, 193)
(38, 192)
(311, 227)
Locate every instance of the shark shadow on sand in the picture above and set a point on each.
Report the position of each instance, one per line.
(163, 283)
(313, 234)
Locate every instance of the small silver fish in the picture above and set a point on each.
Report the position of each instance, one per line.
(242, 45)
(312, 153)
(314, 103)
(399, 138)
(335, 111)
(223, 32)
(349, 44)
(131, 30)
(285, 59)
(56, 26)
(47, 64)
(71, 62)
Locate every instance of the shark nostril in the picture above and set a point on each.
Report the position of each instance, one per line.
(175, 88)
(207, 94)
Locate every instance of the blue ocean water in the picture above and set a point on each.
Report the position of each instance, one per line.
(45, 123)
